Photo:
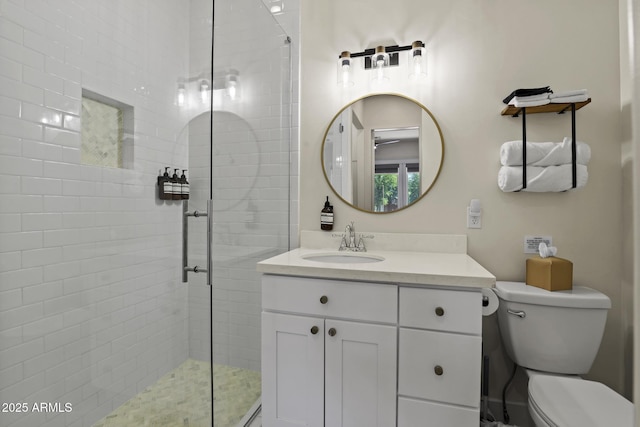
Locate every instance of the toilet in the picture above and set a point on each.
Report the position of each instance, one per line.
(555, 336)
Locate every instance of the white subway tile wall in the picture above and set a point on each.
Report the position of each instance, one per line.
(92, 309)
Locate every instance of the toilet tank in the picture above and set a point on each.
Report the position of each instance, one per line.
(557, 332)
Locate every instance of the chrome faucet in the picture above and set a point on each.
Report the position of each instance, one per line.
(348, 242)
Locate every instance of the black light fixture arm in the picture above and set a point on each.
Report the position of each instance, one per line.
(388, 49)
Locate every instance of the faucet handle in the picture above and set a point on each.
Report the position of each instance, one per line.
(343, 244)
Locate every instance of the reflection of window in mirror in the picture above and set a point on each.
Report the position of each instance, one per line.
(396, 178)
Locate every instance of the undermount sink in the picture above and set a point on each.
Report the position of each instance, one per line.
(343, 258)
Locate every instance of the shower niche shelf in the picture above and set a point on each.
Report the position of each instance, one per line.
(559, 108)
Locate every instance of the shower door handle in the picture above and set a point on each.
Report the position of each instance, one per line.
(185, 240)
(209, 240)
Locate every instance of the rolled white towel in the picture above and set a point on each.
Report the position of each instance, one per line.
(575, 98)
(544, 153)
(541, 179)
(567, 93)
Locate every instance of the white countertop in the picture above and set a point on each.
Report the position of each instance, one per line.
(411, 267)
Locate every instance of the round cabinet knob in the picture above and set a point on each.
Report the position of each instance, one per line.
(439, 311)
(332, 332)
(323, 299)
(314, 330)
(438, 370)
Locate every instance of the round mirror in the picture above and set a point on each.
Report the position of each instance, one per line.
(382, 153)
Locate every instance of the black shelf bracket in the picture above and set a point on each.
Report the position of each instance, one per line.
(523, 110)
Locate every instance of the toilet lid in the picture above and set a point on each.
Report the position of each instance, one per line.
(577, 297)
(574, 402)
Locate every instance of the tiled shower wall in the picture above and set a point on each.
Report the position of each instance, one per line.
(92, 309)
(254, 163)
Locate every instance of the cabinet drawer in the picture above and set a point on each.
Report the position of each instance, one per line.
(439, 366)
(330, 298)
(444, 310)
(412, 413)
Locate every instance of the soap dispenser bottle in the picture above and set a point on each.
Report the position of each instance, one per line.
(326, 216)
(184, 186)
(165, 187)
(175, 181)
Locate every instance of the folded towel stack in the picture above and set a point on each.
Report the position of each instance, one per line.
(529, 97)
(579, 95)
(530, 101)
(544, 95)
(549, 166)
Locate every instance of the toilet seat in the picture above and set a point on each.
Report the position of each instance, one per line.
(574, 402)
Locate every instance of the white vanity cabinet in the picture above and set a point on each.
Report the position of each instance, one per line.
(328, 353)
(347, 353)
(439, 357)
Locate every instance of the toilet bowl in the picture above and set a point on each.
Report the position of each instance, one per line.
(555, 336)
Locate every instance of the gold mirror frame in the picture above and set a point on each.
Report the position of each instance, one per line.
(423, 191)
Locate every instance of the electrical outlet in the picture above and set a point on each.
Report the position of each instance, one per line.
(474, 220)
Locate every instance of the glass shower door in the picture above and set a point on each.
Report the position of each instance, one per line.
(250, 184)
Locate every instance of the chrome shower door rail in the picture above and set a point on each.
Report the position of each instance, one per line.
(185, 240)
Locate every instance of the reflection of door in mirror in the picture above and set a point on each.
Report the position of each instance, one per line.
(342, 149)
(337, 155)
(396, 177)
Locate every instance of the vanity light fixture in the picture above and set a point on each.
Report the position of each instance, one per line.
(379, 59)
(418, 61)
(345, 78)
(379, 64)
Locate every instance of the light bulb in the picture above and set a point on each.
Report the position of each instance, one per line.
(417, 65)
(380, 70)
(181, 95)
(380, 61)
(345, 75)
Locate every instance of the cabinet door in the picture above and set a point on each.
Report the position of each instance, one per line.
(292, 371)
(360, 374)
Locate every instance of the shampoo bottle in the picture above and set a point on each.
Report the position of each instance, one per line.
(184, 186)
(165, 187)
(175, 181)
(326, 216)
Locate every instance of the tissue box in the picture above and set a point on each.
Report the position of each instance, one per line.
(552, 274)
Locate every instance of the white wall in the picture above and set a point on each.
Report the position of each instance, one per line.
(91, 305)
(478, 52)
(630, 54)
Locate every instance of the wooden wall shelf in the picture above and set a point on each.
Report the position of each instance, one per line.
(514, 111)
(511, 110)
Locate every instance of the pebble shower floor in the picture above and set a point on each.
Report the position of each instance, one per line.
(182, 398)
